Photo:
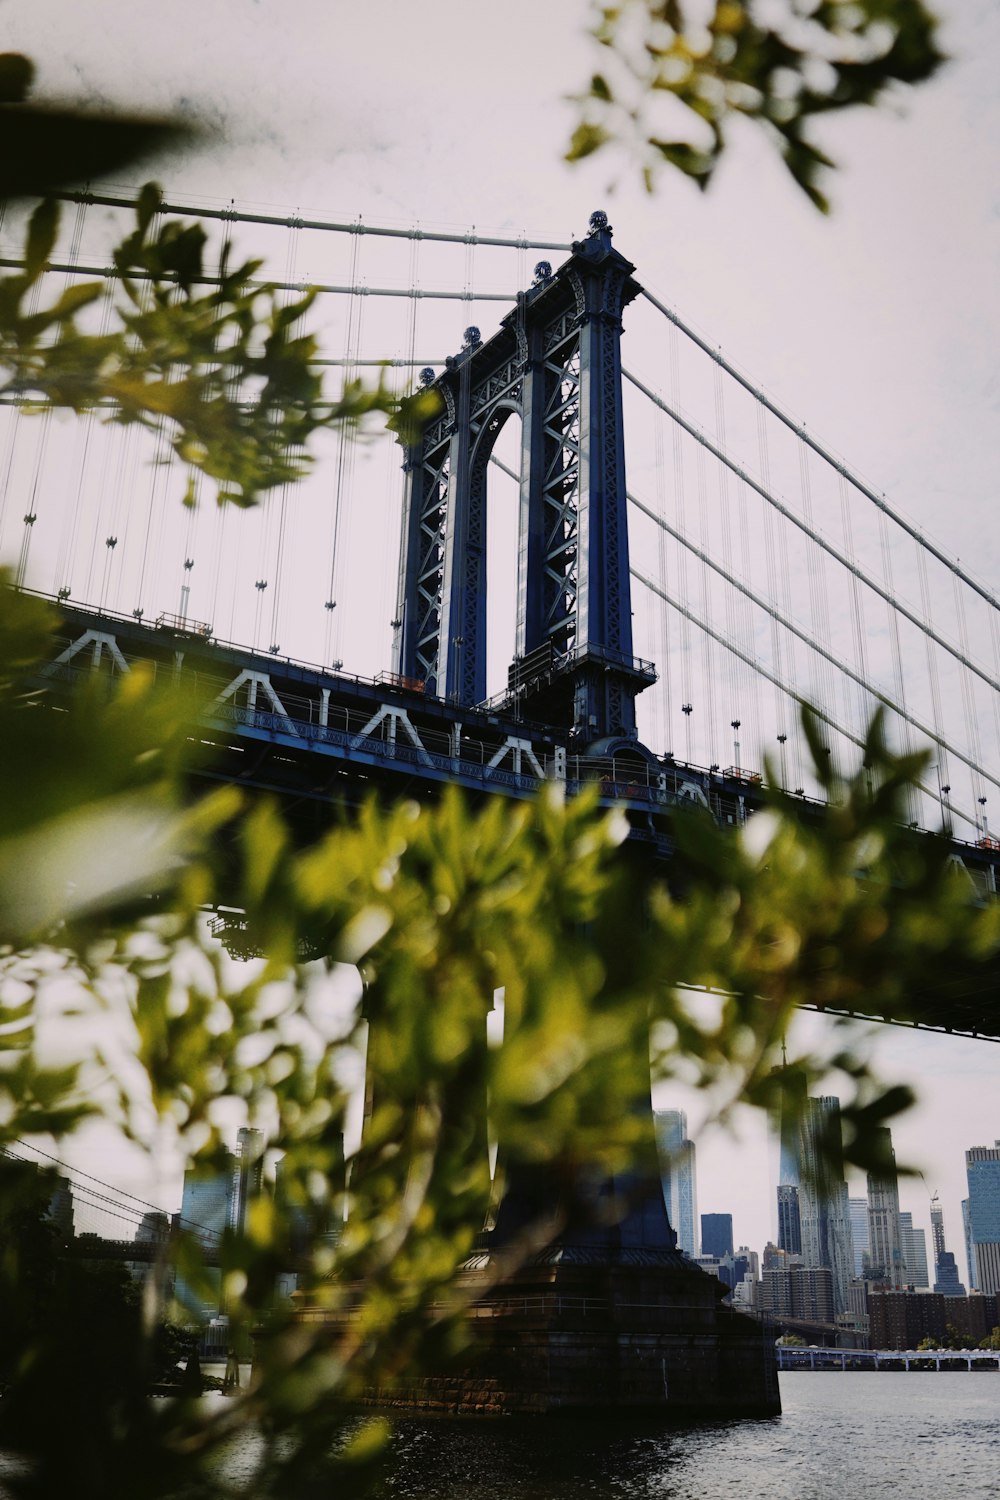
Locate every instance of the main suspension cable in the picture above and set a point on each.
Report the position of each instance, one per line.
(814, 536)
(814, 645)
(294, 221)
(806, 437)
(819, 713)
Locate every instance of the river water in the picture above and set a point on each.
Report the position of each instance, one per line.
(857, 1435)
(922, 1436)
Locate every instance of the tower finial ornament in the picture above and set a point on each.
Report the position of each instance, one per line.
(598, 221)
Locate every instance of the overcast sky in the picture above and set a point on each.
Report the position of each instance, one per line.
(877, 326)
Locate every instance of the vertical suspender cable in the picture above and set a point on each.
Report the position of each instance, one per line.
(771, 561)
(968, 693)
(740, 691)
(344, 457)
(664, 696)
(932, 668)
(865, 705)
(710, 674)
(895, 645)
(291, 258)
(677, 440)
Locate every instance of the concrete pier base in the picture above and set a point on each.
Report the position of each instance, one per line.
(646, 1335)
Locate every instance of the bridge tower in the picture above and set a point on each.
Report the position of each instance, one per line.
(555, 361)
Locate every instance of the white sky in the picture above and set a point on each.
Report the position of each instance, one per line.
(877, 326)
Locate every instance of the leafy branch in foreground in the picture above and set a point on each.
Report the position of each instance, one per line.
(675, 75)
(115, 1004)
(215, 359)
(45, 146)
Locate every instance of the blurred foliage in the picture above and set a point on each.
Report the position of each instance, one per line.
(216, 360)
(43, 147)
(676, 73)
(116, 1000)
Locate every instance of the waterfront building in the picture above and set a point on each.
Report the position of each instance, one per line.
(717, 1234)
(677, 1175)
(860, 1242)
(902, 1320)
(913, 1243)
(857, 1310)
(789, 1219)
(973, 1317)
(885, 1243)
(982, 1166)
(796, 1291)
(774, 1295)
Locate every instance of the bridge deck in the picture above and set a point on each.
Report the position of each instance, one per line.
(327, 740)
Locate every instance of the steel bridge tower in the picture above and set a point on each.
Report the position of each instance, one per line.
(556, 362)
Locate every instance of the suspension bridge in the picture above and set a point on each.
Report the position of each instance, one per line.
(516, 607)
(100, 1221)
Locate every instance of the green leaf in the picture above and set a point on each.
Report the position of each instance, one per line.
(585, 140)
(42, 230)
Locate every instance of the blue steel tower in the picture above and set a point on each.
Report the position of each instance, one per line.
(556, 363)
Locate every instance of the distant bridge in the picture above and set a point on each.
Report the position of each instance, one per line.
(792, 1358)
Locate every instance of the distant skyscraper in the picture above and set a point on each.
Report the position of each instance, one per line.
(937, 1228)
(859, 1235)
(982, 1166)
(717, 1235)
(823, 1205)
(247, 1175)
(945, 1270)
(787, 1126)
(205, 1211)
(913, 1243)
(60, 1209)
(677, 1174)
(154, 1228)
(752, 1260)
(205, 1203)
(789, 1219)
(946, 1277)
(970, 1264)
(886, 1249)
